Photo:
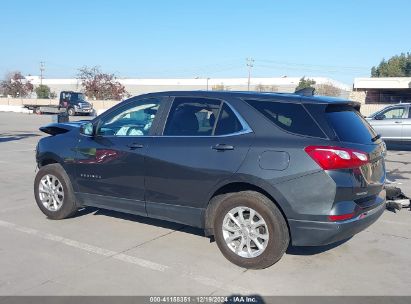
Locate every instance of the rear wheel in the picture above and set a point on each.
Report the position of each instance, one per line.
(53, 192)
(249, 230)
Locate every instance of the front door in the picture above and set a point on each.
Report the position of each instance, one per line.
(110, 165)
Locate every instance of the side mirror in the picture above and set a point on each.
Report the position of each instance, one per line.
(380, 117)
(87, 129)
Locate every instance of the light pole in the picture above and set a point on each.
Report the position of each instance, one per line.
(250, 65)
(208, 78)
(42, 68)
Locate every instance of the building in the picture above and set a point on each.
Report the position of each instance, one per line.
(141, 86)
(384, 90)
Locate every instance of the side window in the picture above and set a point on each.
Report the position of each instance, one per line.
(394, 113)
(134, 119)
(291, 117)
(228, 122)
(192, 116)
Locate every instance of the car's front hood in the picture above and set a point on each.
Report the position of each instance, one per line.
(60, 128)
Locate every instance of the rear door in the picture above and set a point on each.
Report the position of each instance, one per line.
(202, 143)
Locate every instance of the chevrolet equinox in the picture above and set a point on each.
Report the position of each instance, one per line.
(258, 171)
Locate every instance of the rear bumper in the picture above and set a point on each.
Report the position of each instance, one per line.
(315, 233)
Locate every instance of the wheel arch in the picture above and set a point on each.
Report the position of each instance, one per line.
(236, 187)
(47, 159)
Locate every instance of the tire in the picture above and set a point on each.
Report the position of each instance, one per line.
(71, 112)
(277, 239)
(64, 205)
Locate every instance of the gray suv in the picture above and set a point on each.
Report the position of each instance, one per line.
(393, 123)
(258, 171)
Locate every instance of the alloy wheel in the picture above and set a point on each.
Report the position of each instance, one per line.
(245, 232)
(51, 192)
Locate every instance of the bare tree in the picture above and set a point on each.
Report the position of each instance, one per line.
(220, 87)
(16, 85)
(266, 88)
(327, 89)
(101, 85)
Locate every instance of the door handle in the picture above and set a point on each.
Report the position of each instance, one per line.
(134, 146)
(222, 147)
(398, 121)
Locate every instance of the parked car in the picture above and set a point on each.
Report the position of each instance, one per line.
(393, 123)
(258, 171)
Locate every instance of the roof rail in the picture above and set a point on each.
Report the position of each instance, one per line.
(305, 92)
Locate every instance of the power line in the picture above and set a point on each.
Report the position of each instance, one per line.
(316, 66)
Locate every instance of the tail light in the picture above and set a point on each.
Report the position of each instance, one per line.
(342, 217)
(331, 158)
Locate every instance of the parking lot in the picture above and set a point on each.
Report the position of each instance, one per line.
(100, 252)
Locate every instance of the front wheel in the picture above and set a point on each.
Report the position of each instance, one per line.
(71, 112)
(53, 192)
(250, 230)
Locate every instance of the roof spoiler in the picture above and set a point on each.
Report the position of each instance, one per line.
(305, 92)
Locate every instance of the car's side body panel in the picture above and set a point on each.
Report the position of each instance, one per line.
(175, 177)
(107, 168)
(59, 149)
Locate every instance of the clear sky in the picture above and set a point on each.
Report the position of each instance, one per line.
(203, 38)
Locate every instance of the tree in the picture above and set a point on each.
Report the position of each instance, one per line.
(43, 91)
(327, 89)
(396, 66)
(16, 85)
(305, 83)
(266, 88)
(220, 87)
(99, 85)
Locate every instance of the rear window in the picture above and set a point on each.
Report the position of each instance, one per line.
(349, 125)
(291, 117)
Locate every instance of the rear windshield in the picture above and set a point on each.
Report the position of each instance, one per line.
(291, 117)
(350, 126)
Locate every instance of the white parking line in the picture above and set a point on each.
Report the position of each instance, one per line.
(85, 247)
(126, 258)
(394, 223)
(14, 208)
(25, 150)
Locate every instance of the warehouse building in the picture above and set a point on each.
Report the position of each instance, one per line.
(384, 90)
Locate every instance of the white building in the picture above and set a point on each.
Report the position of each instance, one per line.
(140, 86)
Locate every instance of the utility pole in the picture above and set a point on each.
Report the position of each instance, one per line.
(208, 78)
(250, 65)
(42, 68)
